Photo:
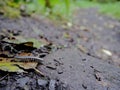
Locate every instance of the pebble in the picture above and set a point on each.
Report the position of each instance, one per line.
(3, 83)
(52, 84)
(52, 67)
(22, 81)
(42, 82)
(60, 70)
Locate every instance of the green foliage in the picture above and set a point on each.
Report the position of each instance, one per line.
(112, 9)
(104, 1)
(7, 8)
(55, 9)
(52, 8)
(86, 4)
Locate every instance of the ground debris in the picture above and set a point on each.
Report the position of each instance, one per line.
(18, 57)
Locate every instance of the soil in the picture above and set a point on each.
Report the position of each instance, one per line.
(88, 57)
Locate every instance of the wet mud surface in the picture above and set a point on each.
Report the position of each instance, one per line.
(80, 62)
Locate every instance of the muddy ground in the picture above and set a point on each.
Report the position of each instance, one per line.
(88, 60)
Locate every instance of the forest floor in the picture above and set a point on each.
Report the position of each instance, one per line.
(88, 60)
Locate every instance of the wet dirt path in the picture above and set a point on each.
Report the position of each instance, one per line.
(90, 54)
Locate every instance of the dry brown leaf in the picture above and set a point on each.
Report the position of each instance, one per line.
(27, 65)
(25, 54)
(30, 65)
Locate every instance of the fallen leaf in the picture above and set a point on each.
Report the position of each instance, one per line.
(13, 47)
(15, 39)
(28, 44)
(36, 43)
(28, 41)
(6, 64)
(28, 65)
(39, 43)
(10, 67)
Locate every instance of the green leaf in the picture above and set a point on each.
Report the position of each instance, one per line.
(36, 43)
(10, 67)
(7, 65)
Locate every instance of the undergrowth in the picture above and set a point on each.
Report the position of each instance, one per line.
(56, 9)
(111, 8)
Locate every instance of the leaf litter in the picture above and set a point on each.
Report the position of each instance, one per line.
(16, 52)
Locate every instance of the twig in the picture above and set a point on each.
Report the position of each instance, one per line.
(3, 77)
(39, 72)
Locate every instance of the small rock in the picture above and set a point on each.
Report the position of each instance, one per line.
(62, 86)
(3, 83)
(53, 67)
(52, 84)
(60, 70)
(84, 86)
(42, 82)
(22, 81)
(84, 59)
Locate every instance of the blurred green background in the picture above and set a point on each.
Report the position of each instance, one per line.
(57, 9)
